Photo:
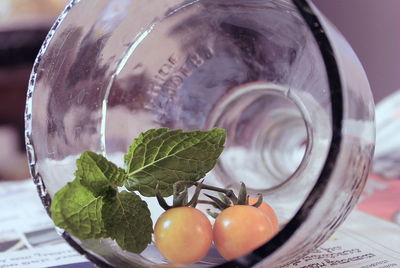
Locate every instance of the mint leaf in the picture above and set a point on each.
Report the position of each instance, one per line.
(97, 173)
(162, 156)
(135, 156)
(127, 220)
(91, 207)
(75, 209)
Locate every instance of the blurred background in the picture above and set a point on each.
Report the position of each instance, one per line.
(23, 27)
(371, 27)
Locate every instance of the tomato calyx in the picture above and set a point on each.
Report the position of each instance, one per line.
(225, 201)
(226, 197)
(180, 196)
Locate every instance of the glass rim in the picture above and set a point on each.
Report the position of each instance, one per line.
(257, 255)
(336, 97)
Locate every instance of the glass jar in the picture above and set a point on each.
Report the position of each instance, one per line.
(275, 74)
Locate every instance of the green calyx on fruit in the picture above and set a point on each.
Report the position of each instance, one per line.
(180, 196)
(228, 199)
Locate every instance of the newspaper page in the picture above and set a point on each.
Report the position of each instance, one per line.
(387, 151)
(363, 241)
(28, 238)
(27, 235)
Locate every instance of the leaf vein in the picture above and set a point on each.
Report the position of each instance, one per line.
(163, 158)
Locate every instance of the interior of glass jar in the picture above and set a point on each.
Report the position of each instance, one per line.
(251, 67)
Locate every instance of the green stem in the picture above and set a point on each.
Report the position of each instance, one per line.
(227, 192)
(242, 196)
(259, 201)
(161, 200)
(221, 205)
(180, 199)
(195, 197)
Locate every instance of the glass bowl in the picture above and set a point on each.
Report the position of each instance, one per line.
(275, 74)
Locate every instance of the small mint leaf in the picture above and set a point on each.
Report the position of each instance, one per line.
(75, 209)
(163, 157)
(127, 220)
(97, 173)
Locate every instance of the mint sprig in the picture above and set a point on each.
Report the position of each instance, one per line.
(163, 157)
(91, 207)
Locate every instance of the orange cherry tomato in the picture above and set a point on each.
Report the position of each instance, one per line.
(241, 229)
(267, 209)
(183, 235)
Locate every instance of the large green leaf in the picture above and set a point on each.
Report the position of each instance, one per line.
(127, 220)
(75, 209)
(163, 157)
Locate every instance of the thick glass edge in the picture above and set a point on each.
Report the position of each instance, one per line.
(335, 86)
(29, 98)
(30, 150)
(259, 254)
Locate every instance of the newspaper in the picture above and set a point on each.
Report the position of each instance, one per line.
(387, 152)
(363, 241)
(27, 235)
(28, 238)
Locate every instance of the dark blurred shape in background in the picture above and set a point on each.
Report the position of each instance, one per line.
(23, 27)
(371, 27)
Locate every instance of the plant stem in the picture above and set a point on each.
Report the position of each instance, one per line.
(207, 202)
(227, 192)
(220, 204)
(161, 200)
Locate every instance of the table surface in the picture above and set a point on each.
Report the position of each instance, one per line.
(28, 238)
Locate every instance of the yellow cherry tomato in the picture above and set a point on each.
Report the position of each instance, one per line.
(183, 235)
(267, 209)
(240, 229)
